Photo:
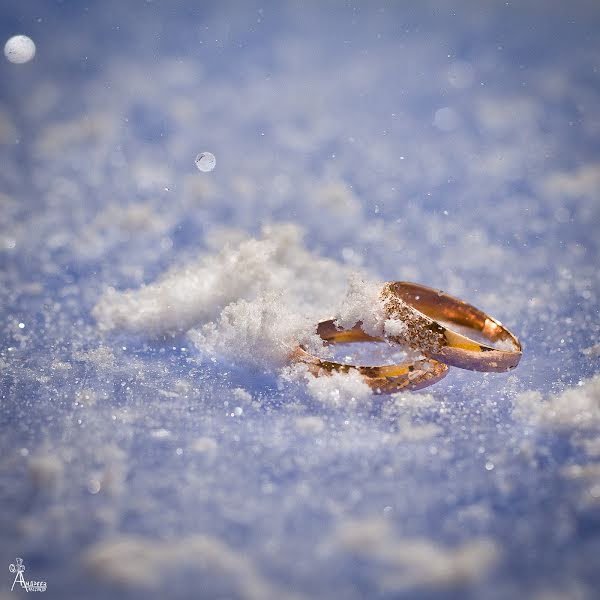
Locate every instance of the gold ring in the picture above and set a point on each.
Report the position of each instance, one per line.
(424, 310)
(383, 379)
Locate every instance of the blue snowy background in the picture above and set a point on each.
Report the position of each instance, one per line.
(451, 143)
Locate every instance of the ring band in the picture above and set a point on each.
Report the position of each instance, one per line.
(384, 379)
(422, 307)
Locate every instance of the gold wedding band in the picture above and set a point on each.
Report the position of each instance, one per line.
(424, 317)
(384, 379)
(425, 311)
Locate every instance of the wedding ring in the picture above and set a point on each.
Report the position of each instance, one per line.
(383, 379)
(425, 312)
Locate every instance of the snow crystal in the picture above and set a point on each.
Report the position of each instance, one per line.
(362, 303)
(340, 390)
(19, 49)
(206, 161)
(394, 327)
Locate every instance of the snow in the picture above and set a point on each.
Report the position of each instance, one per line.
(155, 441)
(575, 408)
(205, 161)
(271, 270)
(19, 49)
(340, 390)
(405, 563)
(205, 557)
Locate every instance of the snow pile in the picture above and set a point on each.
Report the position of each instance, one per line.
(142, 563)
(574, 408)
(587, 477)
(253, 303)
(275, 271)
(362, 303)
(410, 562)
(338, 390)
(262, 331)
(576, 411)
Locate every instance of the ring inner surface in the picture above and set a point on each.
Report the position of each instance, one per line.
(377, 352)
